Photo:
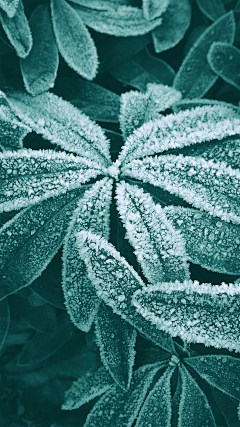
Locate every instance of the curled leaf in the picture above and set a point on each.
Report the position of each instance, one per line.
(224, 60)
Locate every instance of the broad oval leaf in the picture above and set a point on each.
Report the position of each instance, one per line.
(154, 8)
(224, 60)
(9, 6)
(74, 40)
(4, 321)
(17, 30)
(196, 313)
(213, 9)
(195, 77)
(39, 69)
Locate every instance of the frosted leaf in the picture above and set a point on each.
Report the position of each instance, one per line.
(139, 108)
(62, 124)
(220, 371)
(179, 130)
(39, 69)
(194, 409)
(9, 6)
(124, 22)
(4, 321)
(187, 104)
(116, 340)
(17, 30)
(154, 8)
(210, 242)
(29, 241)
(116, 281)
(159, 249)
(227, 405)
(209, 186)
(157, 410)
(93, 213)
(29, 176)
(95, 382)
(212, 9)
(224, 60)
(120, 409)
(74, 40)
(101, 4)
(196, 313)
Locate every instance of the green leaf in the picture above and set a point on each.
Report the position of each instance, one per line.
(4, 321)
(93, 213)
(210, 242)
(224, 60)
(195, 77)
(39, 69)
(159, 249)
(196, 313)
(29, 241)
(176, 21)
(120, 409)
(74, 40)
(9, 6)
(153, 8)
(156, 409)
(211, 9)
(95, 382)
(222, 372)
(227, 405)
(29, 176)
(61, 123)
(116, 281)
(209, 186)
(116, 340)
(17, 30)
(194, 409)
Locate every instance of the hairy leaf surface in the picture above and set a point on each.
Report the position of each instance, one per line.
(154, 8)
(224, 60)
(9, 6)
(4, 321)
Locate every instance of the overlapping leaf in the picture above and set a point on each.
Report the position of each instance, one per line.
(153, 8)
(224, 60)
(212, 9)
(9, 6)
(227, 405)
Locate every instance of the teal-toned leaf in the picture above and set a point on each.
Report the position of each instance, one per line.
(30, 240)
(209, 186)
(194, 409)
(9, 6)
(74, 40)
(222, 372)
(187, 104)
(93, 212)
(224, 60)
(159, 249)
(176, 401)
(4, 321)
(227, 405)
(213, 9)
(176, 21)
(61, 123)
(116, 281)
(239, 411)
(95, 382)
(29, 176)
(154, 8)
(120, 409)
(116, 340)
(101, 4)
(195, 77)
(183, 129)
(210, 242)
(17, 30)
(124, 22)
(157, 409)
(196, 313)
(39, 69)
(44, 344)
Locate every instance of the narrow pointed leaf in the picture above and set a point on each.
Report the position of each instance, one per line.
(176, 21)
(176, 401)
(39, 69)
(187, 104)
(120, 409)
(224, 60)
(196, 313)
(30, 240)
(74, 40)
(212, 9)
(95, 382)
(4, 321)
(154, 8)
(160, 249)
(210, 242)
(116, 281)
(184, 129)
(100, 4)
(227, 405)
(116, 340)
(61, 123)
(29, 176)
(17, 30)
(209, 186)
(157, 409)
(222, 372)
(195, 77)
(93, 213)
(194, 409)
(9, 6)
